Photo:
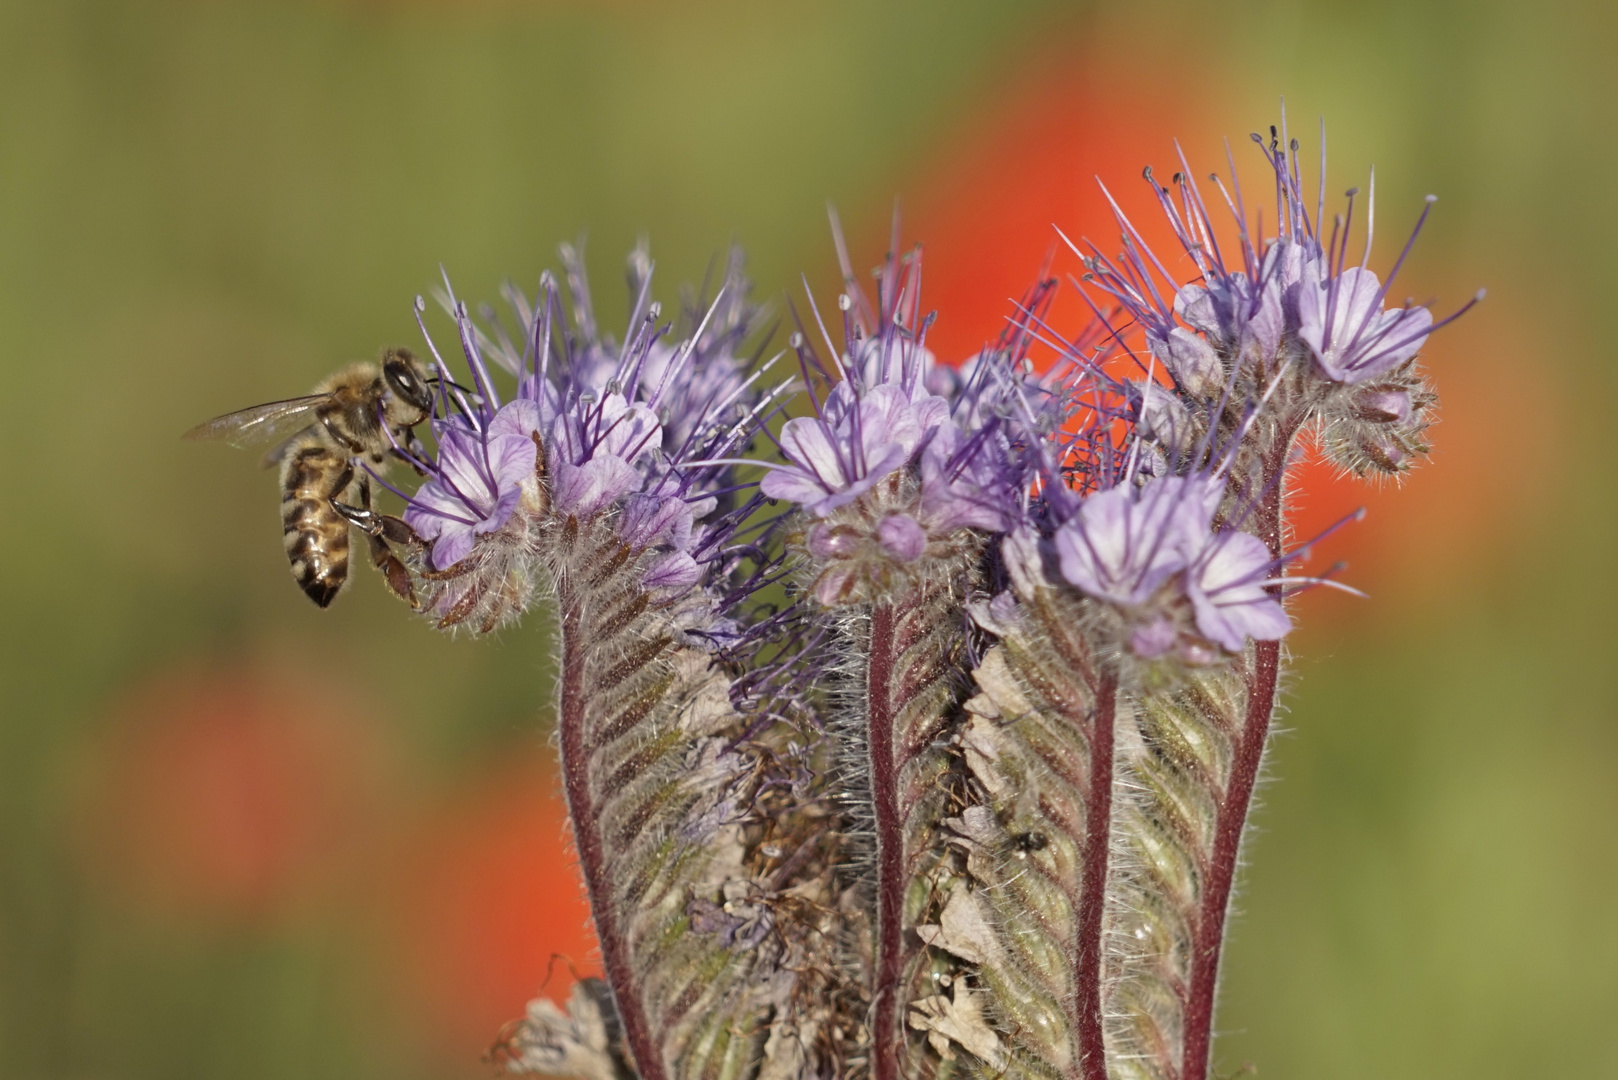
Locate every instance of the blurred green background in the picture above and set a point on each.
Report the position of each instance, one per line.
(243, 838)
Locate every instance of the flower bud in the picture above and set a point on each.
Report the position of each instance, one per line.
(1381, 405)
(901, 537)
(1383, 453)
(1153, 639)
(826, 542)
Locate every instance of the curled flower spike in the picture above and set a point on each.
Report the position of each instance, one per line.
(900, 467)
(584, 436)
(1150, 551)
(1291, 295)
(943, 768)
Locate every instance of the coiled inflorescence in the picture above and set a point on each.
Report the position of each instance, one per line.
(914, 735)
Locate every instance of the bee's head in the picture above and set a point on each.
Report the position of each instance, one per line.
(407, 381)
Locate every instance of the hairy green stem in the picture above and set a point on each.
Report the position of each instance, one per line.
(587, 840)
(1210, 932)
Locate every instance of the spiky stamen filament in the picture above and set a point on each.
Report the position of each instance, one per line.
(912, 650)
(643, 722)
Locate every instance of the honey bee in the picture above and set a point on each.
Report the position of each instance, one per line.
(364, 413)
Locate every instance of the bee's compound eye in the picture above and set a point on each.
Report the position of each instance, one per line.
(404, 383)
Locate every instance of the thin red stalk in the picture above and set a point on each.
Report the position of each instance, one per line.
(887, 1036)
(1222, 866)
(1093, 887)
(1261, 678)
(582, 811)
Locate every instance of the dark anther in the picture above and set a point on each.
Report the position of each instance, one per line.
(1179, 178)
(1294, 146)
(1147, 172)
(1030, 841)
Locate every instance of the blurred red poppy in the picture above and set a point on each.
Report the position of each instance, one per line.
(489, 909)
(228, 794)
(986, 204)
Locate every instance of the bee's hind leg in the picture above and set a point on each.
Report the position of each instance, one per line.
(379, 529)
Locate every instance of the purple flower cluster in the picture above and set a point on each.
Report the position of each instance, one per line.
(486, 467)
(641, 430)
(1151, 550)
(1292, 298)
(1128, 481)
(901, 454)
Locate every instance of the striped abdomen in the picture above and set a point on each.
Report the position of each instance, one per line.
(316, 536)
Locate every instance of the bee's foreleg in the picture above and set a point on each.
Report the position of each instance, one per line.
(393, 571)
(379, 529)
(385, 526)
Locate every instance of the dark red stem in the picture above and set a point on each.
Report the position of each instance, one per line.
(887, 1035)
(1222, 866)
(576, 754)
(1093, 887)
(1260, 677)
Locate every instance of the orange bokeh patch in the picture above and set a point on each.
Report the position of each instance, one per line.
(229, 795)
(489, 909)
(986, 204)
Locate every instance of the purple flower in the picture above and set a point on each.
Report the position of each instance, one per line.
(482, 476)
(970, 483)
(651, 519)
(856, 441)
(595, 448)
(1125, 542)
(1238, 317)
(1189, 358)
(675, 571)
(1353, 339)
(1226, 586)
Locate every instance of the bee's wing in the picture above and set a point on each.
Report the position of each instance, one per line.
(270, 422)
(272, 457)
